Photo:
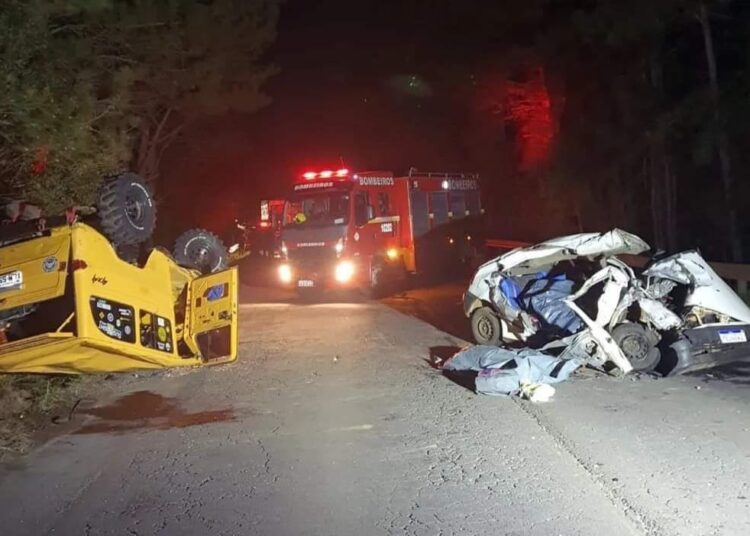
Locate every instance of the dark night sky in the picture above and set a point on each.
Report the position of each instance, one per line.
(345, 90)
(393, 84)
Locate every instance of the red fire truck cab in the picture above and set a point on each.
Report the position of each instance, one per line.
(371, 229)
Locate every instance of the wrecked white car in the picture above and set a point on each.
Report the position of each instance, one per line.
(573, 296)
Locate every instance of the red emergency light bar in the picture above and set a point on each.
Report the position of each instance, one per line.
(327, 174)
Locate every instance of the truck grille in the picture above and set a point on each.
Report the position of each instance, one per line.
(318, 259)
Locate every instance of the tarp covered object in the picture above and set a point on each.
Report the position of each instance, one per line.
(544, 297)
(504, 372)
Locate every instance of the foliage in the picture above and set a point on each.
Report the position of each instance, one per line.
(90, 86)
(58, 135)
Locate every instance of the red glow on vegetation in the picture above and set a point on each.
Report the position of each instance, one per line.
(529, 108)
(39, 165)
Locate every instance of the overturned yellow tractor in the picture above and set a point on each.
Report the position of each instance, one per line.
(72, 302)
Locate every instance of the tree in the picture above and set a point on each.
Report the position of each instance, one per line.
(722, 141)
(95, 85)
(57, 137)
(186, 59)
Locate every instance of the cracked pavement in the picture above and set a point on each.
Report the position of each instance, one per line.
(333, 422)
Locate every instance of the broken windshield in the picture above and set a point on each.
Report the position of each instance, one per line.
(319, 209)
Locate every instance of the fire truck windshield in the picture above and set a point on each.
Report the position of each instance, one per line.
(317, 209)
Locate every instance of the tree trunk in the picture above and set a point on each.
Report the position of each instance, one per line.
(663, 188)
(722, 141)
(655, 157)
(153, 141)
(670, 203)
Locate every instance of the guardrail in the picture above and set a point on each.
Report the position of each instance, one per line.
(739, 273)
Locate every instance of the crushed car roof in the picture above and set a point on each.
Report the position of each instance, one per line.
(611, 243)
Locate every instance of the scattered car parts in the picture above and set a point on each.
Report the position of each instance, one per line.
(574, 296)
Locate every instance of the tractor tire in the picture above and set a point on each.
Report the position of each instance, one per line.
(126, 210)
(639, 348)
(201, 250)
(485, 327)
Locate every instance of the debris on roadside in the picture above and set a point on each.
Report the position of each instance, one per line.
(506, 372)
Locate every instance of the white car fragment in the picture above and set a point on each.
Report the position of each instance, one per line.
(625, 319)
(709, 291)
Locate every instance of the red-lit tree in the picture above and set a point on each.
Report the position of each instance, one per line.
(528, 108)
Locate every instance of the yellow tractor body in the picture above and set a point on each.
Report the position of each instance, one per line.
(78, 308)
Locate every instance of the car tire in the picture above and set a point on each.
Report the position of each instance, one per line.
(638, 346)
(126, 209)
(485, 327)
(201, 250)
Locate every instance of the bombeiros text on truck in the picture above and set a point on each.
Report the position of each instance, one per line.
(372, 229)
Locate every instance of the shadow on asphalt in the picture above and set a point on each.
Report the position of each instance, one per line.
(439, 355)
(737, 373)
(440, 306)
(462, 378)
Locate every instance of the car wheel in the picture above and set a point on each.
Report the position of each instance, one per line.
(126, 209)
(639, 348)
(485, 326)
(201, 250)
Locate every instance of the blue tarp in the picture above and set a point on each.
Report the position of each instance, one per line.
(543, 297)
(504, 372)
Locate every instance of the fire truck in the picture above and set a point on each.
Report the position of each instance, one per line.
(371, 229)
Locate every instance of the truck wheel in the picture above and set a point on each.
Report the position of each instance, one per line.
(386, 278)
(485, 327)
(201, 250)
(126, 209)
(377, 283)
(637, 345)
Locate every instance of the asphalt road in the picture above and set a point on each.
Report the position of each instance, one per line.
(333, 422)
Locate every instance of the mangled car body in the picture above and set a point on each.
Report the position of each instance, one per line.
(574, 296)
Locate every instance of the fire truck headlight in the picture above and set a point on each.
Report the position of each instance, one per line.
(285, 273)
(344, 271)
(339, 247)
(284, 249)
(392, 254)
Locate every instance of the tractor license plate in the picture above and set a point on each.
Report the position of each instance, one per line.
(730, 336)
(305, 283)
(11, 281)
